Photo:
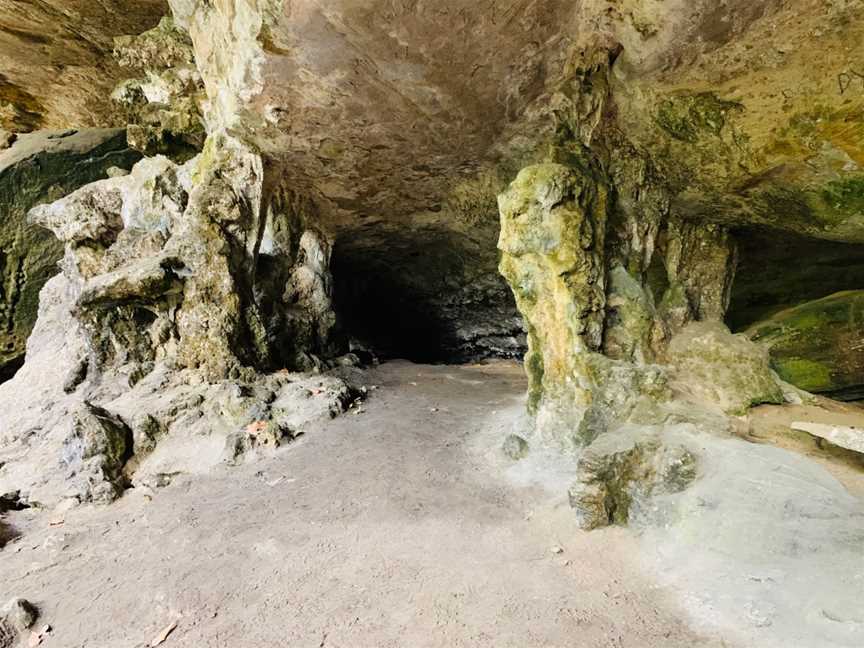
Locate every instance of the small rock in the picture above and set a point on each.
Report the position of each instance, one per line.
(558, 550)
(116, 172)
(7, 139)
(20, 614)
(95, 451)
(515, 447)
(615, 470)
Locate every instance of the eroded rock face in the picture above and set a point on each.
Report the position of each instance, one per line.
(56, 58)
(619, 473)
(159, 340)
(38, 168)
(817, 346)
(166, 266)
(162, 104)
(642, 135)
(553, 221)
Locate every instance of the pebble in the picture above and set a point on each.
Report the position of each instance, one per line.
(20, 613)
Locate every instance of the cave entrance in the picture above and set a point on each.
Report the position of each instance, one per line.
(804, 298)
(431, 296)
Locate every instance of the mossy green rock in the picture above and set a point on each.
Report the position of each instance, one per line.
(819, 346)
(553, 220)
(42, 167)
(724, 370)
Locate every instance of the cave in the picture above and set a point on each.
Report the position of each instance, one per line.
(419, 302)
(432, 323)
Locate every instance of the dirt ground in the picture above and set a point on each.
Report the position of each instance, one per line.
(394, 526)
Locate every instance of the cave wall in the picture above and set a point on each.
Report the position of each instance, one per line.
(38, 168)
(56, 58)
(625, 144)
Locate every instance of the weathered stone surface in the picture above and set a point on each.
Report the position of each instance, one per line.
(176, 278)
(851, 438)
(20, 613)
(818, 346)
(95, 452)
(759, 131)
(552, 235)
(41, 167)
(375, 137)
(618, 472)
(16, 617)
(515, 447)
(700, 261)
(724, 370)
(56, 59)
(163, 104)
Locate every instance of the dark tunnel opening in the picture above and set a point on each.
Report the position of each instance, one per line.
(428, 297)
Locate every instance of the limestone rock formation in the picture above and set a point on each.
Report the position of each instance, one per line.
(38, 168)
(619, 473)
(179, 284)
(817, 346)
(723, 369)
(552, 236)
(56, 60)
(162, 105)
(350, 159)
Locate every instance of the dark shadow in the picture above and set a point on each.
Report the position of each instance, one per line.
(8, 370)
(429, 296)
(778, 270)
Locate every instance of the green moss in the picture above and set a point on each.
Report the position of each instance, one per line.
(688, 117)
(535, 370)
(805, 374)
(846, 195)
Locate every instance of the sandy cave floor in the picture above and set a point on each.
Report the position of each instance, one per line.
(402, 525)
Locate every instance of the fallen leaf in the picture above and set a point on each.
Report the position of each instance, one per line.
(166, 632)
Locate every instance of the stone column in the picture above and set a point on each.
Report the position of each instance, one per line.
(553, 225)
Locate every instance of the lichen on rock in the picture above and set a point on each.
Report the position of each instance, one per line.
(553, 222)
(817, 346)
(621, 471)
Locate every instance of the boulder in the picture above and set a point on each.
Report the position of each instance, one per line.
(620, 470)
(723, 370)
(818, 346)
(95, 452)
